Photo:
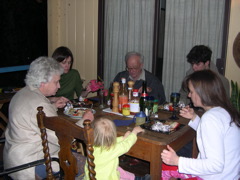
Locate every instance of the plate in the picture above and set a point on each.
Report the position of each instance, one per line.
(148, 126)
(77, 113)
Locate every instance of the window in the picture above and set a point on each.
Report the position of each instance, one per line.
(23, 34)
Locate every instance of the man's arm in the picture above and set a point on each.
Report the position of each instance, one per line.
(157, 88)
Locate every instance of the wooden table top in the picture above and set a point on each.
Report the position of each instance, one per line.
(150, 144)
(148, 136)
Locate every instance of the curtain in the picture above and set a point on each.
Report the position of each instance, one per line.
(189, 23)
(128, 26)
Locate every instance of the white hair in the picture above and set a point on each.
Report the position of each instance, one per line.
(42, 70)
(133, 53)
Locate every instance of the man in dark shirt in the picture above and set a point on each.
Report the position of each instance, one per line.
(200, 59)
(136, 72)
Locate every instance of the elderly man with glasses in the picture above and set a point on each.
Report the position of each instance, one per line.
(135, 72)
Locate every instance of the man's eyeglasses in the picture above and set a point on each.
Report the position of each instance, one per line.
(132, 69)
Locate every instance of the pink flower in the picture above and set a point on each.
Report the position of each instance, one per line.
(105, 92)
(96, 85)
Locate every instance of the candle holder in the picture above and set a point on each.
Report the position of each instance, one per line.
(101, 99)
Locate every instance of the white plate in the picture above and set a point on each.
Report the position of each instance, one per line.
(75, 109)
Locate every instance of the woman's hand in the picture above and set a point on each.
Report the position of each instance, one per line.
(59, 102)
(188, 113)
(88, 88)
(169, 156)
(86, 91)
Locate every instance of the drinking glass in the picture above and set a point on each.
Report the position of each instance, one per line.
(175, 97)
(149, 107)
(101, 99)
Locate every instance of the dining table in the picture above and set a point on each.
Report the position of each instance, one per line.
(150, 143)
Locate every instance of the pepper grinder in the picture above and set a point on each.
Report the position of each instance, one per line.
(130, 84)
(115, 96)
(130, 89)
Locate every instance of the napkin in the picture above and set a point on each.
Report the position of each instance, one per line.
(123, 122)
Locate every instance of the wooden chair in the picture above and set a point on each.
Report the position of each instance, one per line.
(66, 131)
(3, 123)
(5, 172)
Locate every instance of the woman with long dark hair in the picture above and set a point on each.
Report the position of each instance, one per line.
(218, 132)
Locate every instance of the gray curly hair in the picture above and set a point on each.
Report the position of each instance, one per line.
(42, 70)
(134, 53)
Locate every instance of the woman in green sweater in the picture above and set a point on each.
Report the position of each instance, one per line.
(70, 81)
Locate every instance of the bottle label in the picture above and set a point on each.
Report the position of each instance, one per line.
(134, 107)
(125, 111)
(135, 94)
(122, 100)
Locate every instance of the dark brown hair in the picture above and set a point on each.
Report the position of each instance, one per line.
(211, 91)
(199, 53)
(62, 53)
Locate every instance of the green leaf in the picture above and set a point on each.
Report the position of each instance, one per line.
(235, 95)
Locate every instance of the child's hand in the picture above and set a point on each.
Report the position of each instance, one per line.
(88, 115)
(126, 134)
(137, 130)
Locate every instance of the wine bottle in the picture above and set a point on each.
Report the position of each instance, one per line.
(143, 98)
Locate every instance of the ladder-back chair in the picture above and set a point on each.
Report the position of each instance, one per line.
(66, 131)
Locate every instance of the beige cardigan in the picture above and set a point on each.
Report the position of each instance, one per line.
(23, 141)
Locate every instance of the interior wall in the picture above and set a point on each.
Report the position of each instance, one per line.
(73, 23)
(232, 70)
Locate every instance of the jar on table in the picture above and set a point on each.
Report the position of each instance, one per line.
(126, 110)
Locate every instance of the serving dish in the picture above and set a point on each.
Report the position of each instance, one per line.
(162, 126)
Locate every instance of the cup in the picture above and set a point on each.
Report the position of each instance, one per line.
(140, 118)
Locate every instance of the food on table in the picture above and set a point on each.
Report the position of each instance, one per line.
(166, 107)
(169, 106)
(76, 112)
(168, 126)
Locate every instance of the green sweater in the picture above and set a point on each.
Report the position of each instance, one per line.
(70, 83)
(107, 162)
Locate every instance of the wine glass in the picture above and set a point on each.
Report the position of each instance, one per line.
(175, 97)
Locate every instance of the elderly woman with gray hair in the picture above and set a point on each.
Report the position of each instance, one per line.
(23, 139)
